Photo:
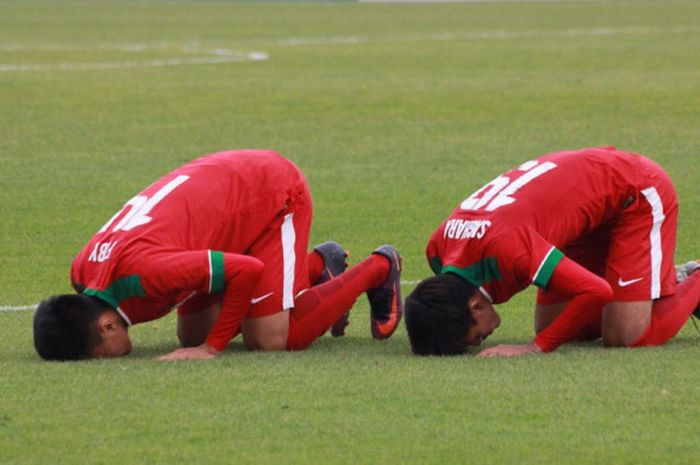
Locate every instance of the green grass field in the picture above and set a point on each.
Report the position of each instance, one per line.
(395, 113)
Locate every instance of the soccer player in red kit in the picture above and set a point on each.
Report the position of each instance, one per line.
(224, 240)
(593, 229)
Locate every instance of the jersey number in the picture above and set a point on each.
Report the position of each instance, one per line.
(501, 190)
(141, 206)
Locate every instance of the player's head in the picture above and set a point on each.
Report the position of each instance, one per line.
(75, 327)
(445, 314)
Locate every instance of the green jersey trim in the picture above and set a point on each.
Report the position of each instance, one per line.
(216, 271)
(478, 273)
(120, 289)
(546, 269)
(435, 265)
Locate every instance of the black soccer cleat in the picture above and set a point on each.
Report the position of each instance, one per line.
(682, 273)
(386, 306)
(334, 260)
(334, 263)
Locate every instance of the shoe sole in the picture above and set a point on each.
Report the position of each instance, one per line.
(384, 329)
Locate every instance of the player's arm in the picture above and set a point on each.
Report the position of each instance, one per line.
(211, 272)
(588, 294)
(242, 276)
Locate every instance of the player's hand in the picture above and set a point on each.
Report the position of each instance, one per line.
(205, 351)
(510, 350)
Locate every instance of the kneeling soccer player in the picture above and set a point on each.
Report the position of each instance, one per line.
(224, 240)
(594, 229)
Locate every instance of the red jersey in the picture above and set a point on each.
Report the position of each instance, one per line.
(176, 237)
(511, 233)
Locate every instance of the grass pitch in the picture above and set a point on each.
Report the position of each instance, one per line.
(395, 113)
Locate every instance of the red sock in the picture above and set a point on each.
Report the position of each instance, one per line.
(314, 262)
(669, 314)
(319, 307)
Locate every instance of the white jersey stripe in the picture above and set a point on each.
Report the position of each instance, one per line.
(124, 317)
(289, 261)
(657, 211)
(539, 268)
(211, 272)
(481, 289)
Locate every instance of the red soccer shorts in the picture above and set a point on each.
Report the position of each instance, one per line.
(282, 247)
(634, 251)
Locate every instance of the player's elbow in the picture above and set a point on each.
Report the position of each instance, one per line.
(602, 292)
(248, 270)
(606, 293)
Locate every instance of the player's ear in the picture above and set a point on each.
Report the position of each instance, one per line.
(478, 304)
(112, 336)
(107, 322)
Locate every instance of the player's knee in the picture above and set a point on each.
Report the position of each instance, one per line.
(545, 314)
(606, 294)
(624, 336)
(610, 340)
(540, 325)
(265, 342)
(621, 335)
(192, 330)
(187, 339)
(250, 269)
(623, 323)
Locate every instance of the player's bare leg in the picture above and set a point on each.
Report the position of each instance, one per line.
(267, 333)
(670, 313)
(625, 322)
(193, 328)
(545, 314)
(319, 307)
(324, 263)
(653, 323)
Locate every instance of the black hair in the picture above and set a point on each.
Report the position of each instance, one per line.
(438, 316)
(65, 326)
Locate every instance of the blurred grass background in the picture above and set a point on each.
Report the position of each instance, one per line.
(395, 113)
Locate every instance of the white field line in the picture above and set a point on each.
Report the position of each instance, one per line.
(23, 308)
(488, 35)
(224, 55)
(204, 57)
(18, 308)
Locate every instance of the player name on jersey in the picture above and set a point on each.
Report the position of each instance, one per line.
(466, 229)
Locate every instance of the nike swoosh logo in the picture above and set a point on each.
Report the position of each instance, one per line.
(255, 300)
(622, 283)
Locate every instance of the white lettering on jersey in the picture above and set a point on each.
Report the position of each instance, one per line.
(501, 191)
(101, 251)
(141, 206)
(466, 229)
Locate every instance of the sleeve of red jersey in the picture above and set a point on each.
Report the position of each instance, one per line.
(210, 272)
(589, 293)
